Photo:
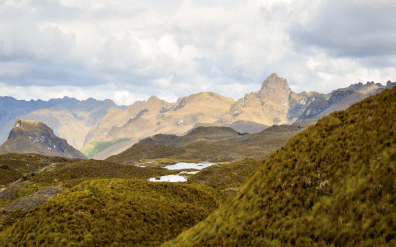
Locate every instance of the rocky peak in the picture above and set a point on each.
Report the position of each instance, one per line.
(274, 81)
(275, 89)
(36, 137)
(155, 99)
(390, 84)
(18, 123)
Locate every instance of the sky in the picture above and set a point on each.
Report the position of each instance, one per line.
(128, 50)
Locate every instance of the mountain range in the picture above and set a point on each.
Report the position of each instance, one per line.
(273, 104)
(90, 124)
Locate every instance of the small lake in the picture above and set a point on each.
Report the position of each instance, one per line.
(181, 166)
(169, 178)
(184, 165)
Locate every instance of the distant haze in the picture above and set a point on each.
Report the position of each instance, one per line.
(130, 50)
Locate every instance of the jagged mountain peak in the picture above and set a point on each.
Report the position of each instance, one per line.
(274, 80)
(155, 99)
(30, 127)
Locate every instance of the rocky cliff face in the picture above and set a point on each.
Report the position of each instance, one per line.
(390, 84)
(28, 136)
(268, 106)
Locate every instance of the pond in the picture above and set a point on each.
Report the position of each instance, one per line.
(184, 165)
(181, 166)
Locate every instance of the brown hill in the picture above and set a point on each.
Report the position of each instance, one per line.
(14, 166)
(200, 134)
(239, 125)
(29, 136)
(212, 144)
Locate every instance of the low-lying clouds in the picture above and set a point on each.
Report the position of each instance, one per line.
(130, 50)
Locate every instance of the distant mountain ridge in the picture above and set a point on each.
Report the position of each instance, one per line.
(68, 117)
(273, 104)
(342, 98)
(29, 136)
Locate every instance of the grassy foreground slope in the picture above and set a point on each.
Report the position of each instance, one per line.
(332, 184)
(114, 212)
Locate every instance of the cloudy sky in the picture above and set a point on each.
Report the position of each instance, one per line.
(128, 50)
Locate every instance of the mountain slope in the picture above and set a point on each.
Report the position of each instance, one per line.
(332, 184)
(64, 124)
(29, 136)
(157, 116)
(200, 134)
(212, 144)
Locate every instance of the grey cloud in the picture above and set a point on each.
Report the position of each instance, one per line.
(39, 10)
(51, 75)
(350, 29)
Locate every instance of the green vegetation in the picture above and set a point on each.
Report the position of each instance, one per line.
(225, 177)
(73, 174)
(114, 212)
(4, 202)
(14, 166)
(332, 184)
(100, 146)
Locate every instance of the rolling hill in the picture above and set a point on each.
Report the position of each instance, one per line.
(212, 144)
(332, 184)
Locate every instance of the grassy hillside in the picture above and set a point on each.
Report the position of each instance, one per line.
(15, 166)
(114, 212)
(100, 146)
(332, 184)
(71, 174)
(225, 177)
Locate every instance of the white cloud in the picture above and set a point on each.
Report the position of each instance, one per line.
(163, 82)
(127, 50)
(123, 98)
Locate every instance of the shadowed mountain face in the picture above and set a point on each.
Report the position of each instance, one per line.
(29, 136)
(341, 99)
(331, 184)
